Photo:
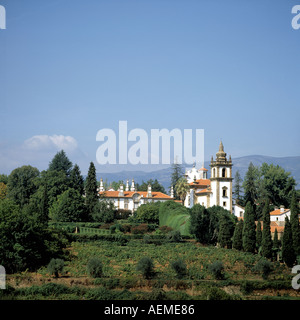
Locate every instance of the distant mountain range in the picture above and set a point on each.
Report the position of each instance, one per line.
(290, 164)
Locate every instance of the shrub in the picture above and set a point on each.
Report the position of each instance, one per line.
(180, 268)
(146, 267)
(94, 268)
(140, 229)
(265, 267)
(217, 269)
(55, 267)
(174, 236)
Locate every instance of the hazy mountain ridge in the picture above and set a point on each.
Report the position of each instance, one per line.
(290, 164)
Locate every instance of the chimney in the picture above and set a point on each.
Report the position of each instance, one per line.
(281, 208)
(127, 185)
(101, 189)
(121, 190)
(132, 186)
(149, 194)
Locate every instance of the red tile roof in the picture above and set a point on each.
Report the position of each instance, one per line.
(129, 194)
(200, 182)
(277, 212)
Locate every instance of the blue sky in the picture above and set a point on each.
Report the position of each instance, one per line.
(69, 68)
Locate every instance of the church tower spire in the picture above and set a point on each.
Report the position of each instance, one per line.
(221, 179)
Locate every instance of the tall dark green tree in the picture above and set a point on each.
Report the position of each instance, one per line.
(76, 180)
(237, 188)
(22, 184)
(61, 162)
(295, 224)
(258, 235)
(288, 253)
(91, 193)
(250, 184)
(249, 233)
(237, 242)
(276, 244)
(224, 236)
(266, 242)
(177, 173)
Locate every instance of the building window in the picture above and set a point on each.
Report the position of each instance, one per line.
(126, 204)
(224, 173)
(224, 192)
(224, 203)
(241, 214)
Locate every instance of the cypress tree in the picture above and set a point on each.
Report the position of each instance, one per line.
(224, 237)
(266, 242)
(91, 194)
(288, 253)
(295, 224)
(258, 235)
(61, 162)
(249, 233)
(276, 244)
(237, 242)
(76, 180)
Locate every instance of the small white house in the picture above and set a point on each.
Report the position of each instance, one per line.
(278, 215)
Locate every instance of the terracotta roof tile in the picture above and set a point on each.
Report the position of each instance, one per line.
(129, 194)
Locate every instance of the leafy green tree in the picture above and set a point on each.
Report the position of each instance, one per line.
(22, 183)
(56, 266)
(146, 267)
(288, 253)
(250, 184)
(155, 186)
(177, 173)
(295, 224)
(266, 242)
(61, 162)
(76, 180)
(4, 178)
(237, 188)
(182, 188)
(258, 236)
(3, 190)
(91, 193)
(25, 243)
(249, 233)
(148, 212)
(278, 183)
(200, 225)
(264, 266)
(237, 242)
(69, 207)
(103, 211)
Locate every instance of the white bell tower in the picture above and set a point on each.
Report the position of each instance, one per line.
(221, 180)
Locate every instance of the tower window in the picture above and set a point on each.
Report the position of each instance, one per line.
(224, 203)
(214, 173)
(224, 192)
(224, 173)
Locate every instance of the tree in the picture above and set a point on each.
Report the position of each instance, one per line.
(249, 234)
(217, 269)
(69, 207)
(146, 267)
(155, 186)
(276, 244)
(237, 242)
(182, 188)
(60, 162)
(278, 184)
(237, 188)
(295, 224)
(76, 180)
(22, 183)
(176, 175)
(200, 224)
(148, 212)
(3, 190)
(91, 193)
(288, 253)
(25, 243)
(103, 211)
(258, 236)
(250, 184)
(224, 237)
(266, 242)
(264, 266)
